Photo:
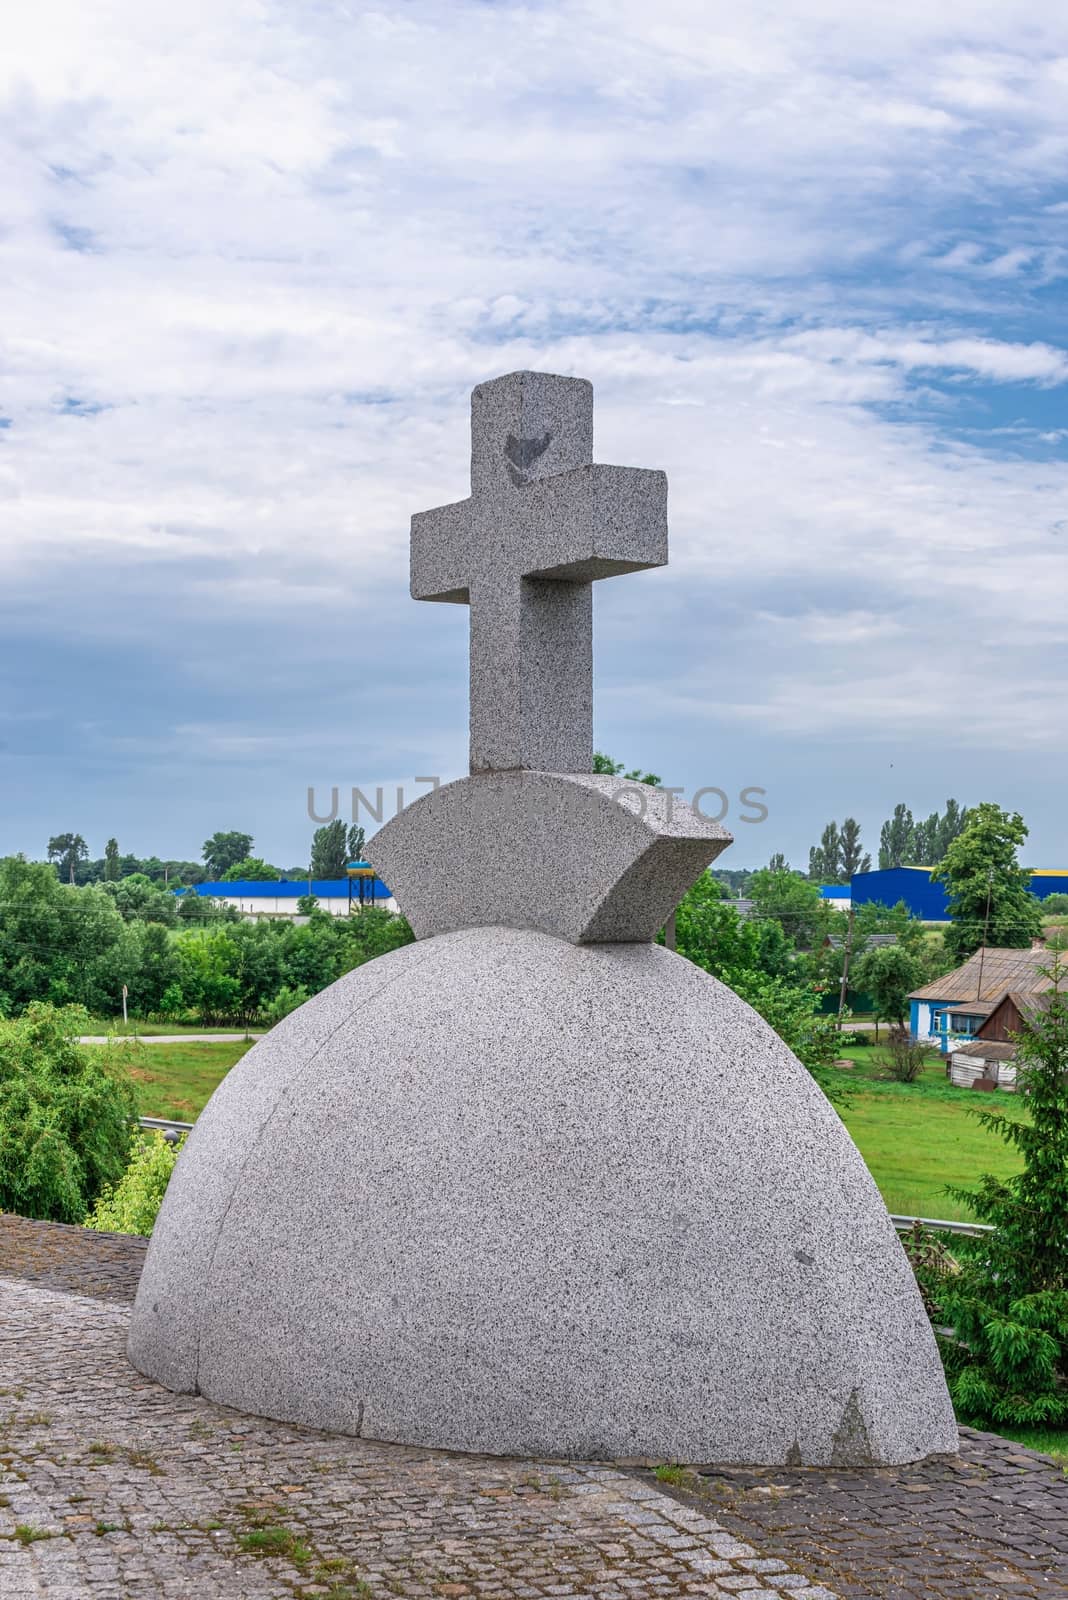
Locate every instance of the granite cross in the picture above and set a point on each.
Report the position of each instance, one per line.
(542, 522)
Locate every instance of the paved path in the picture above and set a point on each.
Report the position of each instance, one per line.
(144, 1495)
(167, 1038)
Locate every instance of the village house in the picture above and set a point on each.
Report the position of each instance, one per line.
(953, 1008)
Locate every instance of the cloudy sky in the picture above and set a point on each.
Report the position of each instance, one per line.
(254, 256)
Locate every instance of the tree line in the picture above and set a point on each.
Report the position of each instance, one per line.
(227, 857)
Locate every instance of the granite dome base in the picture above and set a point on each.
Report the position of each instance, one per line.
(501, 1193)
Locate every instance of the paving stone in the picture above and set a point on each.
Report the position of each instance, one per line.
(988, 1524)
(187, 1486)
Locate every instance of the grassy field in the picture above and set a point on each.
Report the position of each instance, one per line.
(176, 1080)
(915, 1138)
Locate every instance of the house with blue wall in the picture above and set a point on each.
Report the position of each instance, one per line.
(954, 1007)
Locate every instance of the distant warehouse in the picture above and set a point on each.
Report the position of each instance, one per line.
(927, 899)
(279, 898)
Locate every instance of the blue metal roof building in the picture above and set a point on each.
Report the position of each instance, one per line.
(927, 899)
(287, 889)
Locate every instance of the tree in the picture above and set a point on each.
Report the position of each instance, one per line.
(1006, 1358)
(111, 861)
(223, 849)
(889, 973)
(951, 826)
(253, 869)
(357, 842)
(924, 850)
(329, 852)
(778, 863)
(824, 859)
(990, 899)
(67, 850)
(852, 857)
(614, 769)
(138, 899)
(791, 900)
(896, 839)
(839, 854)
(65, 1115)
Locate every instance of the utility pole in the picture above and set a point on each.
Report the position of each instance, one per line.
(843, 990)
(986, 929)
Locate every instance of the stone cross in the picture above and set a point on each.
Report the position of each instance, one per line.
(542, 522)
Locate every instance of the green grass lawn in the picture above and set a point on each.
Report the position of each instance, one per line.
(177, 1080)
(916, 1138)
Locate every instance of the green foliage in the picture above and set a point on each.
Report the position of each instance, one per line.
(839, 854)
(65, 1114)
(131, 1204)
(793, 901)
(756, 958)
(906, 843)
(138, 899)
(614, 769)
(285, 1001)
(792, 1012)
(307, 904)
(57, 943)
(1007, 1356)
(981, 873)
(250, 869)
(223, 849)
(1057, 904)
(888, 972)
(330, 850)
(68, 851)
(111, 861)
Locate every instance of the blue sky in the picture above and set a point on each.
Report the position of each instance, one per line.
(256, 256)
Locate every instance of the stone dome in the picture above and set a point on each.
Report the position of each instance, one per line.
(500, 1192)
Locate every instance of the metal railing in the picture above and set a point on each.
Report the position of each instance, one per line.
(171, 1131)
(940, 1225)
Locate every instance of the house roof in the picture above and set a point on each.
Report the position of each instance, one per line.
(986, 1050)
(987, 975)
(1027, 1003)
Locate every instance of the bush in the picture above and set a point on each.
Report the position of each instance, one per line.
(906, 1056)
(132, 1204)
(285, 1001)
(1056, 903)
(65, 1114)
(1006, 1356)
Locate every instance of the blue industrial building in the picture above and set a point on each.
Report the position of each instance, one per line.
(927, 899)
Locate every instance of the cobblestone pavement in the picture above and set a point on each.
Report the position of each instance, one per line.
(58, 1256)
(113, 1489)
(989, 1524)
(148, 1494)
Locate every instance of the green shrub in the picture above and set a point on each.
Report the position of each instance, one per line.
(131, 1205)
(285, 1001)
(1006, 1356)
(65, 1114)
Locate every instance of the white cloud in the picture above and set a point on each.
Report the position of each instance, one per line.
(276, 246)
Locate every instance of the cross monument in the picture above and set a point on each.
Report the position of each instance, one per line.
(543, 521)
